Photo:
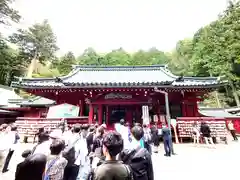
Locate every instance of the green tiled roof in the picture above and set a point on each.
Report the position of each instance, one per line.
(118, 76)
(37, 101)
(216, 112)
(7, 112)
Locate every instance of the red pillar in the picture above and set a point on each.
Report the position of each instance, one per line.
(128, 115)
(196, 114)
(100, 113)
(158, 110)
(184, 113)
(90, 115)
(107, 115)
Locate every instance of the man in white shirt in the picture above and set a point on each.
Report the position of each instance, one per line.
(43, 147)
(123, 130)
(232, 130)
(196, 134)
(5, 143)
(80, 148)
(12, 138)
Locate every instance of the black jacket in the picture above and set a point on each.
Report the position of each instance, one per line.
(32, 168)
(205, 130)
(132, 157)
(89, 140)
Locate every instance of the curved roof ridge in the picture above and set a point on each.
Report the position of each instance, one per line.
(72, 73)
(168, 72)
(77, 68)
(199, 78)
(119, 66)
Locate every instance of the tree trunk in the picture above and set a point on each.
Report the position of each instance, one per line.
(217, 99)
(235, 95)
(32, 66)
(216, 96)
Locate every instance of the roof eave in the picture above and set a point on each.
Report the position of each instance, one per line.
(122, 86)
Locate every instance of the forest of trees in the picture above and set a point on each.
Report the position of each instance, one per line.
(214, 50)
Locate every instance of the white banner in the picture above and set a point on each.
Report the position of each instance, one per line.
(145, 115)
(63, 111)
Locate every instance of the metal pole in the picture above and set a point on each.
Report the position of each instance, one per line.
(168, 112)
(167, 115)
(169, 120)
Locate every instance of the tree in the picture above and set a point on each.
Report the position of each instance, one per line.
(117, 57)
(65, 63)
(38, 42)
(151, 57)
(180, 58)
(7, 13)
(9, 65)
(89, 57)
(217, 47)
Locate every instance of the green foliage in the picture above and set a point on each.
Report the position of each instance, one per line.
(65, 63)
(214, 50)
(89, 57)
(37, 42)
(121, 57)
(46, 72)
(7, 13)
(180, 58)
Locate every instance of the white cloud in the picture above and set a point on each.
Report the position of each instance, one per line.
(110, 24)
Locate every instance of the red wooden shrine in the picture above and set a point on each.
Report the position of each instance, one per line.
(107, 94)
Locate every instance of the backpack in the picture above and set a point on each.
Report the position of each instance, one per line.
(98, 151)
(138, 165)
(46, 175)
(69, 153)
(147, 137)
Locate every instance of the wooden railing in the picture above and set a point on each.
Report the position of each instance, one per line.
(218, 126)
(236, 121)
(29, 126)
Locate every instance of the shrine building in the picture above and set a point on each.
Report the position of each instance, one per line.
(106, 94)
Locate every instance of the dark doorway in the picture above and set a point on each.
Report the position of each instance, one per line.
(117, 113)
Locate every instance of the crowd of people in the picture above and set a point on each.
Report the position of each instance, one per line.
(86, 152)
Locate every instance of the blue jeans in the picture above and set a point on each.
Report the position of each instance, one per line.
(167, 145)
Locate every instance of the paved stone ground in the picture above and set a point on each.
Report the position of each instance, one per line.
(191, 162)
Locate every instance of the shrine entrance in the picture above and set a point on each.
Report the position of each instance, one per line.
(130, 113)
(110, 108)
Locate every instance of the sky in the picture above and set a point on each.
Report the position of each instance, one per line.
(110, 24)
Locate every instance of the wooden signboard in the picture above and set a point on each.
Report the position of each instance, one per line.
(185, 128)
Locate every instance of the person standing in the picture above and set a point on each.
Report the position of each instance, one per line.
(166, 140)
(32, 168)
(73, 153)
(232, 130)
(196, 134)
(40, 130)
(89, 138)
(13, 138)
(123, 130)
(206, 133)
(43, 146)
(111, 168)
(137, 158)
(56, 164)
(147, 138)
(155, 138)
(19, 174)
(4, 147)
